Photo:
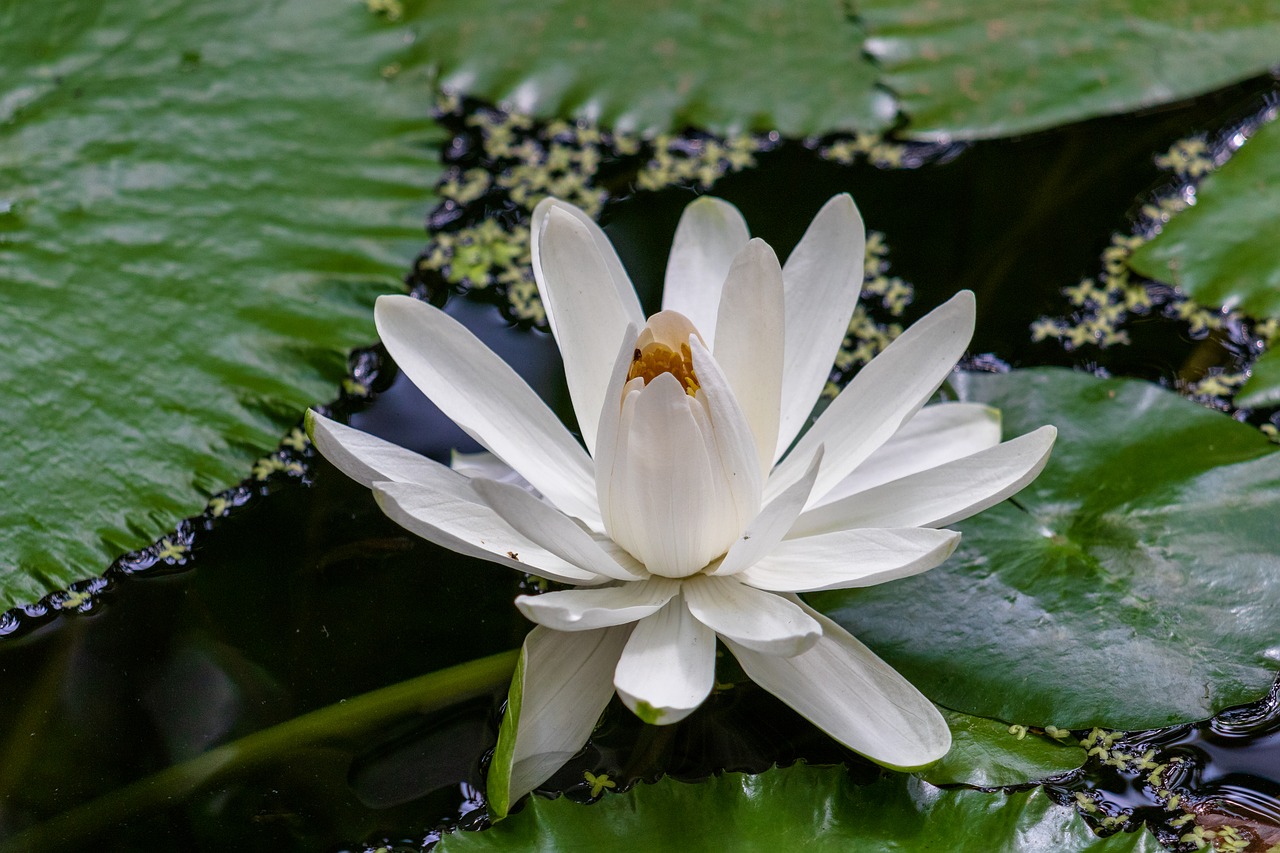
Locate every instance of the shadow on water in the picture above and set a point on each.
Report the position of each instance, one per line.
(304, 595)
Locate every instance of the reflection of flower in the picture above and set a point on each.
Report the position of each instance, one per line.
(678, 521)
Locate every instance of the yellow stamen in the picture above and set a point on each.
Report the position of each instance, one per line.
(654, 359)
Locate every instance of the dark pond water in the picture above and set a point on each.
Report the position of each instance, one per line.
(303, 595)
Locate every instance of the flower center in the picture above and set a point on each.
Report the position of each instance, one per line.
(654, 359)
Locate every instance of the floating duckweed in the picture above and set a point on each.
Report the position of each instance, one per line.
(72, 599)
(1188, 158)
(598, 783)
(171, 550)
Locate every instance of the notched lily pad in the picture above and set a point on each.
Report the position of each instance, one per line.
(798, 808)
(1134, 584)
(758, 65)
(978, 69)
(203, 200)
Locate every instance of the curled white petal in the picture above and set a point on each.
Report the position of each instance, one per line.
(760, 621)
(585, 609)
(668, 666)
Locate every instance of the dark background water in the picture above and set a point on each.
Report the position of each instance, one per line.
(305, 595)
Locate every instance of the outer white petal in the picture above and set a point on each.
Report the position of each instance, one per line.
(822, 278)
(562, 684)
(672, 506)
(484, 464)
(734, 441)
(484, 396)
(448, 510)
(668, 666)
(617, 273)
(591, 318)
(850, 558)
(884, 395)
(368, 459)
(585, 609)
(772, 524)
(749, 341)
(710, 234)
(461, 521)
(936, 434)
(760, 621)
(844, 689)
(941, 495)
(545, 525)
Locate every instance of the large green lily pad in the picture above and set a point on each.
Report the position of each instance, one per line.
(797, 808)
(198, 203)
(984, 68)
(1134, 584)
(796, 67)
(1223, 250)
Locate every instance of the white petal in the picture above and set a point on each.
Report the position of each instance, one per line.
(484, 396)
(590, 317)
(368, 459)
(772, 524)
(884, 394)
(668, 667)
(617, 273)
(941, 495)
(711, 232)
(461, 521)
(749, 342)
(936, 434)
(840, 686)
(451, 513)
(850, 558)
(760, 621)
(822, 278)
(484, 464)
(734, 440)
(561, 686)
(610, 428)
(666, 505)
(545, 525)
(585, 609)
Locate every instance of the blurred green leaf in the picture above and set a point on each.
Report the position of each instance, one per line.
(796, 67)
(1263, 387)
(199, 202)
(975, 69)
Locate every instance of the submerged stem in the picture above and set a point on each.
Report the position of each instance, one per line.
(347, 718)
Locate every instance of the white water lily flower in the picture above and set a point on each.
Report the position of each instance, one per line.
(685, 518)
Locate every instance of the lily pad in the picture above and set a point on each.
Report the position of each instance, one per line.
(1134, 584)
(760, 64)
(797, 808)
(991, 754)
(977, 69)
(1263, 387)
(1223, 251)
(199, 202)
